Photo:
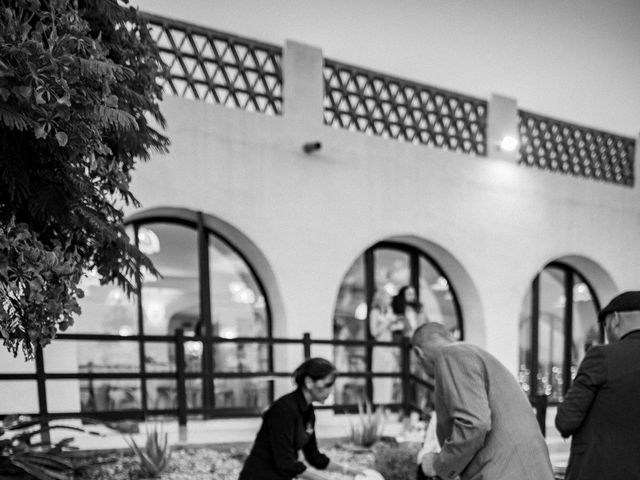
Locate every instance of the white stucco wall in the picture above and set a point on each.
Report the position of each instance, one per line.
(496, 224)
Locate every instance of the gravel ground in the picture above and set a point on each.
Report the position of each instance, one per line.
(213, 462)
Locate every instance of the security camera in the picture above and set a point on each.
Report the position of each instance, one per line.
(311, 147)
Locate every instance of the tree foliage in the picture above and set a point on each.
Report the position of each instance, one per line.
(79, 99)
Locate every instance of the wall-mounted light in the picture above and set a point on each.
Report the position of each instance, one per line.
(311, 147)
(508, 143)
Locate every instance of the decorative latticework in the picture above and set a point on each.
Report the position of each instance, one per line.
(365, 101)
(216, 67)
(562, 147)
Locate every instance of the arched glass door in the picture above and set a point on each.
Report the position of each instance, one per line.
(558, 323)
(372, 285)
(208, 290)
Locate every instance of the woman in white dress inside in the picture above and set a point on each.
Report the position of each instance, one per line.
(382, 322)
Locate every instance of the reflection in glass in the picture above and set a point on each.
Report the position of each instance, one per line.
(160, 357)
(389, 267)
(383, 324)
(106, 309)
(524, 323)
(556, 283)
(349, 320)
(551, 332)
(585, 322)
(247, 393)
(391, 274)
(349, 390)
(172, 301)
(103, 395)
(238, 310)
(437, 298)
(162, 393)
(392, 270)
(107, 356)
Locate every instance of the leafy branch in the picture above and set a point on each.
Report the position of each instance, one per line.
(78, 85)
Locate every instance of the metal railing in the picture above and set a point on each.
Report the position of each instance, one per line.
(181, 375)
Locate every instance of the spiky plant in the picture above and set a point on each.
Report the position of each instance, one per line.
(368, 426)
(156, 454)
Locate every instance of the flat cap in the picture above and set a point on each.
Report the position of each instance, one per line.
(625, 302)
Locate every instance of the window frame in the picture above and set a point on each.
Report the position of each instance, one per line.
(208, 372)
(415, 254)
(571, 277)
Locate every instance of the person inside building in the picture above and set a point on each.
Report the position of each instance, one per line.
(408, 309)
(382, 322)
(288, 427)
(601, 410)
(485, 424)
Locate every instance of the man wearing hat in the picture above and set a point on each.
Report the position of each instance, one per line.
(601, 410)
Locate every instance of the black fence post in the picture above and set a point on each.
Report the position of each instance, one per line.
(541, 412)
(42, 395)
(306, 342)
(180, 378)
(405, 364)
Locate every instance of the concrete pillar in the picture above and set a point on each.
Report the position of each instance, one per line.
(303, 91)
(502, 121)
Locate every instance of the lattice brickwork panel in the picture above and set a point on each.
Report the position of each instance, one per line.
(365, 101)
(562, 147)
(219, 68)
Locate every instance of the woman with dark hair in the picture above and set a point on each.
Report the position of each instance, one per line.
(407, 307)
(288, 426)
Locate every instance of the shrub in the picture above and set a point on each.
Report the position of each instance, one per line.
(21, 458)
(396, 461)
(368, 427)
(155, 456)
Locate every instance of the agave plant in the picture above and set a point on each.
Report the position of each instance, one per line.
(368, 427)
(155, 456)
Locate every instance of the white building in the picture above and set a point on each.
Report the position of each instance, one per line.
(297, 185)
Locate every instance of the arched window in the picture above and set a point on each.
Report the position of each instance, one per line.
(558, 323)
(376, 278)
(207, 289)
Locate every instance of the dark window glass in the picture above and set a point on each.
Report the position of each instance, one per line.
(560, 304)
(106, 395)
(238, 309)
(234, 303)
(369, 306)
